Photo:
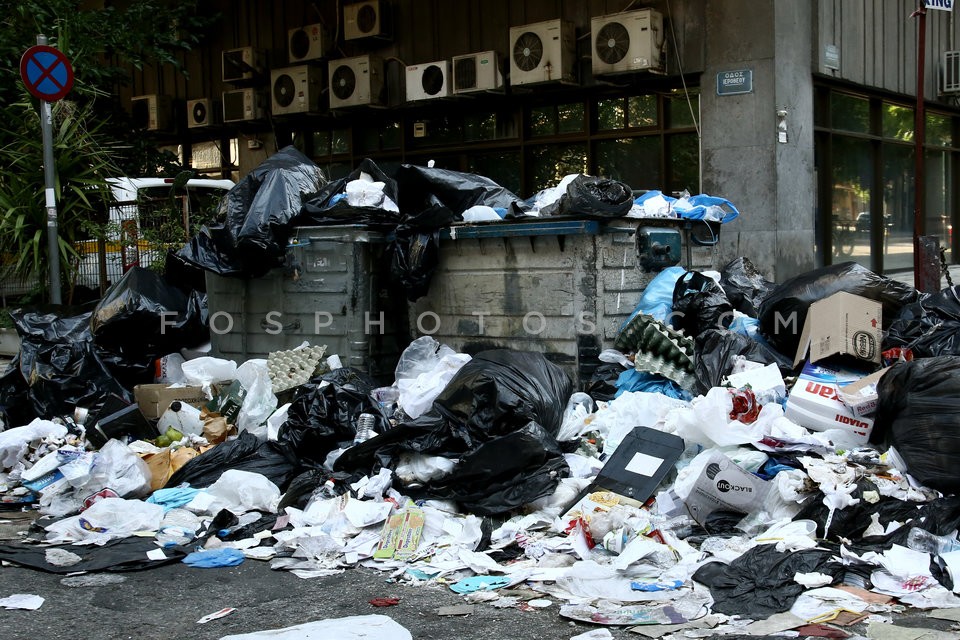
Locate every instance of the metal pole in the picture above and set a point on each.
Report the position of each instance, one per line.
(49, 183)
(919, 134)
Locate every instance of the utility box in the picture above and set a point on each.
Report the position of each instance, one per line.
(558, 286)
(331, 292)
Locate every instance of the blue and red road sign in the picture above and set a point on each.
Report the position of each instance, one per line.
(46, 72)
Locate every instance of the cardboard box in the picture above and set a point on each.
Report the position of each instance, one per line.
(400, 536)
(842, 324)
(861, 396)
(154, 399)
(814, 402)
(724, 486)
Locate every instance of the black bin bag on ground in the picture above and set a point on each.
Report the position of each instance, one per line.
(57, 370)
(275, 460)
(699, 304)
(783, 312)
(592, 197)
(919, 414)
(715, 353)
(498, 417)
(930, 327)
(142, 317)
(745, 286)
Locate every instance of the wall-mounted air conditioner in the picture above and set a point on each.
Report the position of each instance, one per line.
(309, 42)
(950, 73)
(428, 81)
(476, 72)
(543, 52)
(241, 105)
(368, 19)
(296, 90)
(242, 64)
(202, 113)
(151, 112)
(628, 41)
(355, 81)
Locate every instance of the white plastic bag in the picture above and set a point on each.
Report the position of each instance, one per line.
(417, 467)
(15, 442)
(481, 213)
(575, 418)
(424, 369)
(207, 370)
(241, 491)
(107, 519)
(260, 401)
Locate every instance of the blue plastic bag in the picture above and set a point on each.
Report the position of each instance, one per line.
(213, 558)
(657, 298)
(700, 206)
(633, 380)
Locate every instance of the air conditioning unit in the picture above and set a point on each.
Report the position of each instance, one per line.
(543, 52)
(368, 19)
(355, 81)
(950, 73)
(628, 41)
(308, 42)
(242, 64)
(151, 112)
(241, 105)
(296, 90)
(429, 80)
(476, 72)
(202, 113)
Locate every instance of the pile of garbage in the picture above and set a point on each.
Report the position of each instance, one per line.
(748, 449)
(749, 457)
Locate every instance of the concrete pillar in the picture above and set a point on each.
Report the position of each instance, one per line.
(745, 158)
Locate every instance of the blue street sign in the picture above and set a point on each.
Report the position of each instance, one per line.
(46, 72)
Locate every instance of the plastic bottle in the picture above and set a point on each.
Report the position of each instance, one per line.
(327, 490)
(182, 417)
(365, 428)
(922, 540)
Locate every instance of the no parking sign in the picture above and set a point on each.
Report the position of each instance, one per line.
(46, 72)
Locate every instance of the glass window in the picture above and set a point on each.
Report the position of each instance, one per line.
(898, 204)
(321, 143)
(850, 205)
(938, 130)
(392, 135)
(642, 111)
(611, 114)
(683, 156)
(543, 121)
(679, 110)
(480, 127)
(898, 122)
(938, 196)
(340, 141)
(570, 117)
(550, 163)
(205, 156)
(634, 161)
(503, 167)
(850, 113)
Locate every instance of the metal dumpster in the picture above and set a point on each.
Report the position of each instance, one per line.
(561, 287)
(332, 291)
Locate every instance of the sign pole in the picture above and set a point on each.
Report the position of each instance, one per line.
(49, 183)
(918, 139)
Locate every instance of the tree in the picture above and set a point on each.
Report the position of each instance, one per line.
(103, 40)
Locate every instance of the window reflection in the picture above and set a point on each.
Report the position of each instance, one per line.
(850, 207)
(634, 161)
(550, 163)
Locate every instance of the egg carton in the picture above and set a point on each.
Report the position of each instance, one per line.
(288, 369)
(658, 349)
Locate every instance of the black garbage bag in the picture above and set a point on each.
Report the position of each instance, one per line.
(330, 205)
(699, 304)
(275, 460)
(930, 327)
(483, 419)
(592, 197)
(142, 316)
(919, 413)
(784, 310)
(183, 274)
(57, 369)
(505, 472)
(415, 251)
(324, 416)
(850, 522)
(715, 352)
(259, 209)
(421, 188)
(602, 385)
(124, 554)
(760, 583)
(745, 286)
(500, 391)
(211, 250)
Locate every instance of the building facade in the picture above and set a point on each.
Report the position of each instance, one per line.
(799, 112)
